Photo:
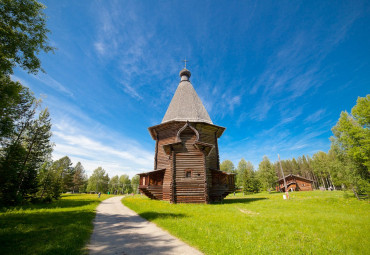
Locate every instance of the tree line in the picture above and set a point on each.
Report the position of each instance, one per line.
(60, 176)
(99, 181)
(345, 166)
(27, 172)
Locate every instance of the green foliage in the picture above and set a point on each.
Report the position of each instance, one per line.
(16, 103)
(61, 227)
(361, 111)
(63, 167)
(351, 138)
(135, 181)
(11, 165)
(320, 165)
(79, 178)
(113, 186)
(302, 166)
(266, 174)
(98, 181)
(23, 152)
(125, 184)
(227, 166)
(23, 34)
(309, 223)
(252, 183)
(240, 176)
(24, 137)
(49, 183)
(246, 178)
(352, 144)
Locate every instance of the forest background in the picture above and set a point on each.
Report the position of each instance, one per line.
(28, 174)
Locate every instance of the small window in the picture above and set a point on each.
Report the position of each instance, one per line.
(187, 173)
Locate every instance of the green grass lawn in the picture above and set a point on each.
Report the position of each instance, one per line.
(309, 223)
(61, 227)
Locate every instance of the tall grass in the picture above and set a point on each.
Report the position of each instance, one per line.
(309, 223)
(61, 227)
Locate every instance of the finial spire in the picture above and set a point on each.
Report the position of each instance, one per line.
(185, 62)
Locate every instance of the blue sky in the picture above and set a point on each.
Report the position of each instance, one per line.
(276, 74)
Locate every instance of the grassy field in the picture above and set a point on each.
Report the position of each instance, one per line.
(61, 227)
(309, 223)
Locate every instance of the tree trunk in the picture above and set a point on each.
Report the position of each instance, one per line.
(316, 183)
(354, 192)
(323, 182)
(331, 180)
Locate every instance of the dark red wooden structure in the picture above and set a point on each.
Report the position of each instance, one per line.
(295, 183)
(186, 161)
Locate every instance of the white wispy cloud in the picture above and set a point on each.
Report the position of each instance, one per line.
(49, 81)
(131, 91)
(83, 138)
(129, 43)
(234, 101)
(276, 141)
(259, 112)
(296, 67)
(95, 147)
(80, 144)
(22, 81)
(100, 47)
(316, 116)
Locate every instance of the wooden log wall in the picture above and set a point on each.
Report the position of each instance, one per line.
(176, 186)
(166, 134)
(297, 183)
(304, 186)
(189, 189)
(222, 185)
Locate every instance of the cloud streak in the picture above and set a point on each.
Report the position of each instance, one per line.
(49, 81)
(316, 116)
(290, 72)
(92, 152)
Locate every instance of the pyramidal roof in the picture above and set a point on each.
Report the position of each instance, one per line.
(186, 104)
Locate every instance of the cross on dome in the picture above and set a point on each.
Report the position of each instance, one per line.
(185, 62)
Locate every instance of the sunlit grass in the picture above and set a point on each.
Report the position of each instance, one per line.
(309, 223)
(61, 227)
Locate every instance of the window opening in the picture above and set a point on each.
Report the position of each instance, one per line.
(187, 173)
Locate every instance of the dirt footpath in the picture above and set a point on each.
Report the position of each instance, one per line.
(119, 230)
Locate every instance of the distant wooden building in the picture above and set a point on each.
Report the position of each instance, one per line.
(186, 161)
(294, 182)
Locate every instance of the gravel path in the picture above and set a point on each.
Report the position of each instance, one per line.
(119, 230)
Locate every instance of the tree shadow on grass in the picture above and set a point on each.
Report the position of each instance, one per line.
(243, 200)
(154, 215)
(55, 204)
(45, 232)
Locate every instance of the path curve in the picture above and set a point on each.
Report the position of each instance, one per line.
(119, 230)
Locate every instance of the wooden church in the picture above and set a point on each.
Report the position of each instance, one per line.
(186, 161)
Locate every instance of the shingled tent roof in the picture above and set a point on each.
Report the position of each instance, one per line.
(186, 104)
